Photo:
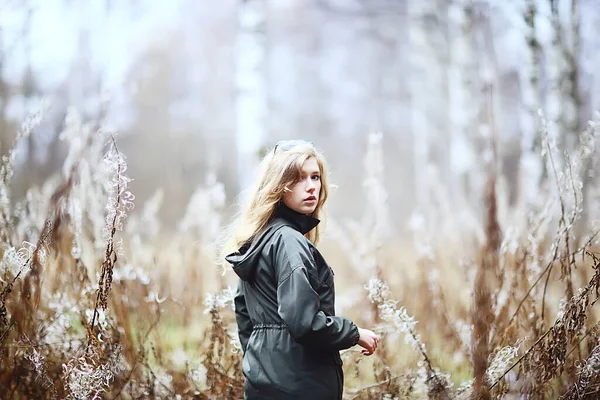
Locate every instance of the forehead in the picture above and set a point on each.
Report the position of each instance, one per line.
(310, 166)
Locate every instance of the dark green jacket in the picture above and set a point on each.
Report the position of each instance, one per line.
(285, 314)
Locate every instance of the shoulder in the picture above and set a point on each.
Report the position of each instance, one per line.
(290, 233)
(289, 244)
(286, 235)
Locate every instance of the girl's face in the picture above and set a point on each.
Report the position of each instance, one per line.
(303, 195)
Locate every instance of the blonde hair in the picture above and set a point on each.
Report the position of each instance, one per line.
(278, 171)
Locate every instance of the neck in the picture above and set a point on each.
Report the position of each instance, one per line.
(303, 223)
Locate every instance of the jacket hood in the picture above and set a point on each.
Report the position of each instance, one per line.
(245, 260)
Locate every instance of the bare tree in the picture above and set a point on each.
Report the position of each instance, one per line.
(531, 165)
(566, 106)
(462, 92)
(251, 94)
(3, 95)
(530, 91)
(428, 91)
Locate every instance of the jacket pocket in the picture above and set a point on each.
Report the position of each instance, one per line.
(251, 366)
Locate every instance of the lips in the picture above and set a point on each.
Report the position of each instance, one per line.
(310, 198)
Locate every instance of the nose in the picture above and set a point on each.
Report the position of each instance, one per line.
(311, 186)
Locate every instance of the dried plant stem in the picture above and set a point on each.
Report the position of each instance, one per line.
(562, 225)
(548, 266)
(110, 256)
(138, 358)
(521, 358)
(6, 172)
(357, 394)
(578, 344)
(582, 297)
(486, 281)
(513, 286)
(382, 353)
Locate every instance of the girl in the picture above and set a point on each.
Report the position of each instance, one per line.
(284, 303)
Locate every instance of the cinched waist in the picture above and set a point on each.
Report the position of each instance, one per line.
(269, 326)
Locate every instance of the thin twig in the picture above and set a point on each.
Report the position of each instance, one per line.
(388, 381)
(581, 249)
(522, 357)
(585, 291)
(137, 359)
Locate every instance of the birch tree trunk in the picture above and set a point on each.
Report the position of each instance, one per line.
(3, 96)
(573, 71)
(594, 60)
(420, 93)
(379, 45)
(530, 79)
(463, 111)
(251, 93)
(555, 109)
(531, 165)
(565, 49)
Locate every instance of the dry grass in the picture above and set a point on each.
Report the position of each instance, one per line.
(97, 305)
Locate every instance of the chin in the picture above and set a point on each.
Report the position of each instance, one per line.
(303, 208)
(310, 210)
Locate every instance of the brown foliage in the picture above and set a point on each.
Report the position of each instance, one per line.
(91, 324)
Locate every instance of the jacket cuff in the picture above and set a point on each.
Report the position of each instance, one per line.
(355, 336)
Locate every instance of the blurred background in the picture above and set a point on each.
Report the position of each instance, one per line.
(197, 90)
(460, 138)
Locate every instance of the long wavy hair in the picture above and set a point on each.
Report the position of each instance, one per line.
(278, 171)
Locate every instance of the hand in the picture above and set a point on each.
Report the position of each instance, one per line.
(368, 340)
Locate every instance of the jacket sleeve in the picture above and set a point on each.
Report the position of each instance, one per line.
(242, 317)
(299, 304)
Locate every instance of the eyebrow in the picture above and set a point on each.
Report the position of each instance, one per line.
(315, 171)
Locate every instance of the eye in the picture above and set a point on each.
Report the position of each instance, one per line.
(316, 177)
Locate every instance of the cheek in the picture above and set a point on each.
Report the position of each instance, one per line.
(297, 192)
(291, 194)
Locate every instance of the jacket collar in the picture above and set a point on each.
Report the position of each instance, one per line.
(301, 222)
